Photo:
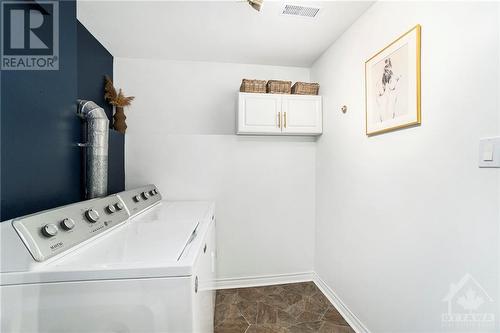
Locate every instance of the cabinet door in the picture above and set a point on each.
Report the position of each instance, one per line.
(259, 114)
(302, 114)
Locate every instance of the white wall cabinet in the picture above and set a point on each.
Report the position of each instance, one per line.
(276, 114)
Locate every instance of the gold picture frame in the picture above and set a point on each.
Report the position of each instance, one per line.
(393, 85)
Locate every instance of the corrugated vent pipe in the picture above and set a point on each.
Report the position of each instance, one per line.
(96, 148)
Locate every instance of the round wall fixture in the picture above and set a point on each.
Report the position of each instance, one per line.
(256, 4)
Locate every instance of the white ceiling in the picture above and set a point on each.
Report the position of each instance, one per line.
(222, 31)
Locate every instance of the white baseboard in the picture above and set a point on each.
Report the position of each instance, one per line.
(258, 281)
(348, 315)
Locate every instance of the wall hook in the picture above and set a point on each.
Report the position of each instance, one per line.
(344, 108)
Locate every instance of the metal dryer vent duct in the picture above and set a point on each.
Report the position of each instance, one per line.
(96, 148)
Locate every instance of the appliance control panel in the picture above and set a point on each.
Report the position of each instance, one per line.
(140, 199)
(54, 231)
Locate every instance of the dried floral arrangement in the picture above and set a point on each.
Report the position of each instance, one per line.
(114, 98)
(119, 101)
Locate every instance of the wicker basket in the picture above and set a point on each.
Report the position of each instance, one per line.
(304, 88)
(279, 87)
(253, 86)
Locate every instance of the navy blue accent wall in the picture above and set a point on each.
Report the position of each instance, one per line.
(116, 162)
(94, 61)
(40, 162)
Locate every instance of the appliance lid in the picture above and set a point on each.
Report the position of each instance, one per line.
(148, 245)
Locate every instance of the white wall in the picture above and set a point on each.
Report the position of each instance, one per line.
(181, 137)
(402, 215)
(498, 110)
(399, 216)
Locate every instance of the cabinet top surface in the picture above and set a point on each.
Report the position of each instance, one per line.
(279, 95)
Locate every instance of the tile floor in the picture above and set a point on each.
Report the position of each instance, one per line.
(287, 308)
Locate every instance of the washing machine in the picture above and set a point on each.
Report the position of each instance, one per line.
(130, 262)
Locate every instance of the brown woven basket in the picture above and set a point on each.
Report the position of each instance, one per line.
(253, 86)
(304, 88)
(279, 87)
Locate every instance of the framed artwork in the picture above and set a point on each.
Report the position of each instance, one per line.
(392, 85)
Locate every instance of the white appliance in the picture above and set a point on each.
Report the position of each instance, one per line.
(129, 262)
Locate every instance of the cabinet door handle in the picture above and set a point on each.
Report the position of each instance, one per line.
(279, 119)
(284, 119)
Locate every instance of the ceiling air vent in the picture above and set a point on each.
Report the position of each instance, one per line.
(297, 10)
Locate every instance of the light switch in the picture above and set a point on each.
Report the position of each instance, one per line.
(489, 152)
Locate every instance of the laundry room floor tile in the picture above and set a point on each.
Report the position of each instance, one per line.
(286, 308)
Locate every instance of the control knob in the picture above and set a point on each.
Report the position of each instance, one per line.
(145, 195)
(67, 224)
(92, 215)
(49, 230)
(137, 198)
(119, 206)
(111, 209)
